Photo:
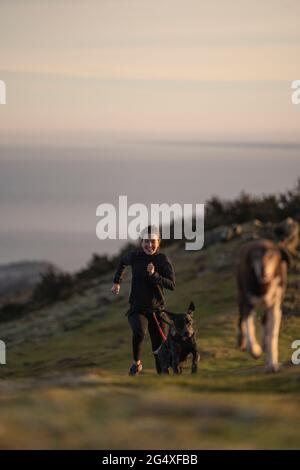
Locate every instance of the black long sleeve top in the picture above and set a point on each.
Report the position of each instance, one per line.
(146, 289)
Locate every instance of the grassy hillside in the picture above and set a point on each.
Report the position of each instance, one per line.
(65, 384)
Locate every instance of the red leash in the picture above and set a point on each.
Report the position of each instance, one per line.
(164, 338)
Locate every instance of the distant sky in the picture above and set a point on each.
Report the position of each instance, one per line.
(83, 71)
(99, 91)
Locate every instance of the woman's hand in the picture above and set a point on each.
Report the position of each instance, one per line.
(116, 289)
(150, 269)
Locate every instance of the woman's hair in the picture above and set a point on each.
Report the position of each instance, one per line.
(150, 232)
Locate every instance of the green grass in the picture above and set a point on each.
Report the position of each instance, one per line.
(65, 384)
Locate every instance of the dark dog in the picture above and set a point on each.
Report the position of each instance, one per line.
(180, 343)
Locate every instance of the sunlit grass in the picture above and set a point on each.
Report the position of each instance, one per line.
(70, 389)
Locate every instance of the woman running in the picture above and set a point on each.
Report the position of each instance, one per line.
(152, 271)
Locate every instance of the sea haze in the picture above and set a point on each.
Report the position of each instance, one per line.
(49, 196)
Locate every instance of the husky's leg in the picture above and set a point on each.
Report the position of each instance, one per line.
(252, 343)
(271, 336)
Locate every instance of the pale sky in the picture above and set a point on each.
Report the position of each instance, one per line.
(80, 71)
(202, 87)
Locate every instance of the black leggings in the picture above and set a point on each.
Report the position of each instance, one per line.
(140, 322)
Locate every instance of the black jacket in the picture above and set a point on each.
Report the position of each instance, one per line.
(146, 289)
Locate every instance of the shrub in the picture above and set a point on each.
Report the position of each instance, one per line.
(52, 286)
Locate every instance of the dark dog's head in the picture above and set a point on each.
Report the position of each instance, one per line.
(183, 323)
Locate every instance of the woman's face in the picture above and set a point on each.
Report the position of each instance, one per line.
(150, 246)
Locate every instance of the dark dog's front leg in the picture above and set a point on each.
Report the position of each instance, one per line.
(196, 359)
(175, 360)
(163, 358)
(176, 367)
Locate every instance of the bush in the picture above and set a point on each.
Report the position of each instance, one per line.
(245, 208)
(96, 267)
(53, 286)
(11, 311)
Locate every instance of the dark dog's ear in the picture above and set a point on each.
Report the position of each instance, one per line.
(286, 256)
(191, 308)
